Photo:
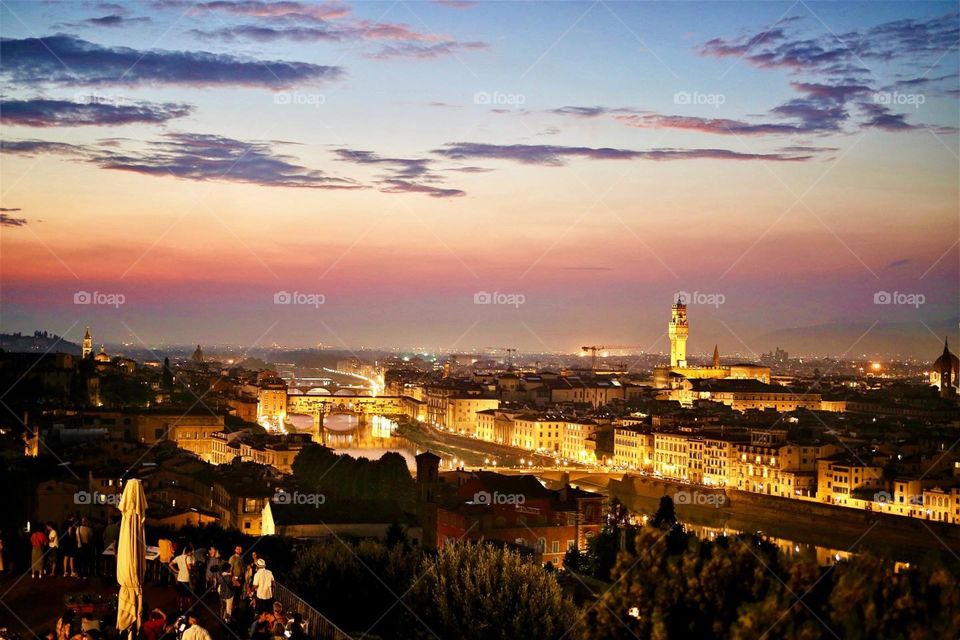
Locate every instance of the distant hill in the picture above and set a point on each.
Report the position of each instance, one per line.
(39, 341)
(902, 339)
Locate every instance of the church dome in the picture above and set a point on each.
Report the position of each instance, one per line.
(940, 364)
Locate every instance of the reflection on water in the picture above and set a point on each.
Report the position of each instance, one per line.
(790, 541)
(370, 437)
(825, 556)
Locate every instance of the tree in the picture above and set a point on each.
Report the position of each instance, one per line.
(356, 585)
(477, 591)
(573, 559)
(395, 535)
(678, 586)
(666, 515)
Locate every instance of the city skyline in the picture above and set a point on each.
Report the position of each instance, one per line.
(397, 161)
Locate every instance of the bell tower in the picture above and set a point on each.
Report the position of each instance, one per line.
(87, 344)
(678, 331)
(946, 372)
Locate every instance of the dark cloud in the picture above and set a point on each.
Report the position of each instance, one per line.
(880, 117)
(406, 175)
(822, 109)
(115, 20)
(909, 37)
(470, 169)
(582, 112)
(290, 10)
(67, 60)
(592, 112)
(899, 263)
(425, 51)
(408, 168)
(264, 33)
(356, 30)
(41, 112)
(205, 157)
(808, 149)
(9, 221)
(908, 40)
(814, 114)
(837, 92)
(404, 186)
(192, 156)
(10, 209)
(721, 126)
(35, 147)
(552, 155)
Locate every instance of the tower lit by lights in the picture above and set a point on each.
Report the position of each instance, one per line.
(678, 331)
(87, 344)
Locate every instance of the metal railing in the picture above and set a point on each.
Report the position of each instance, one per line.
(315, 624)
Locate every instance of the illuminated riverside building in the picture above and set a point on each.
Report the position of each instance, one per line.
(272, 404)
(540, 432)
(744, 395)
(575, 438)
(844, 476)
(275, 451)
(633, 448)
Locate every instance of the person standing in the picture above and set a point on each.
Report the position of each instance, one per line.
(226, 589)
(68, 550)
(85, 552)
(236, 563)
(165, 556)
(263, 586)
(212, 567)
(38, 544)
(181, 566)
(53, 544)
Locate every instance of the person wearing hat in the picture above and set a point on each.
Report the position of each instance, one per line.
(263, 586)
(195, 631)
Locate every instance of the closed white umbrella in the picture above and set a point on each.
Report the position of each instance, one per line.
(131, 557)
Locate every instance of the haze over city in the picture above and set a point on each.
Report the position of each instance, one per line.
(592, 160)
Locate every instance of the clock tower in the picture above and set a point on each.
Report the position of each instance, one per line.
(678, 331)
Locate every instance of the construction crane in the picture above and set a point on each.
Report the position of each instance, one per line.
(510, 351)
(592, 350)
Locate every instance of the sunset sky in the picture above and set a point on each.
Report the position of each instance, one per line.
(400, 157)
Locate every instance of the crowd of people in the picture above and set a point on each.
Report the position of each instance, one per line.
(201, 577)
(70, 550)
